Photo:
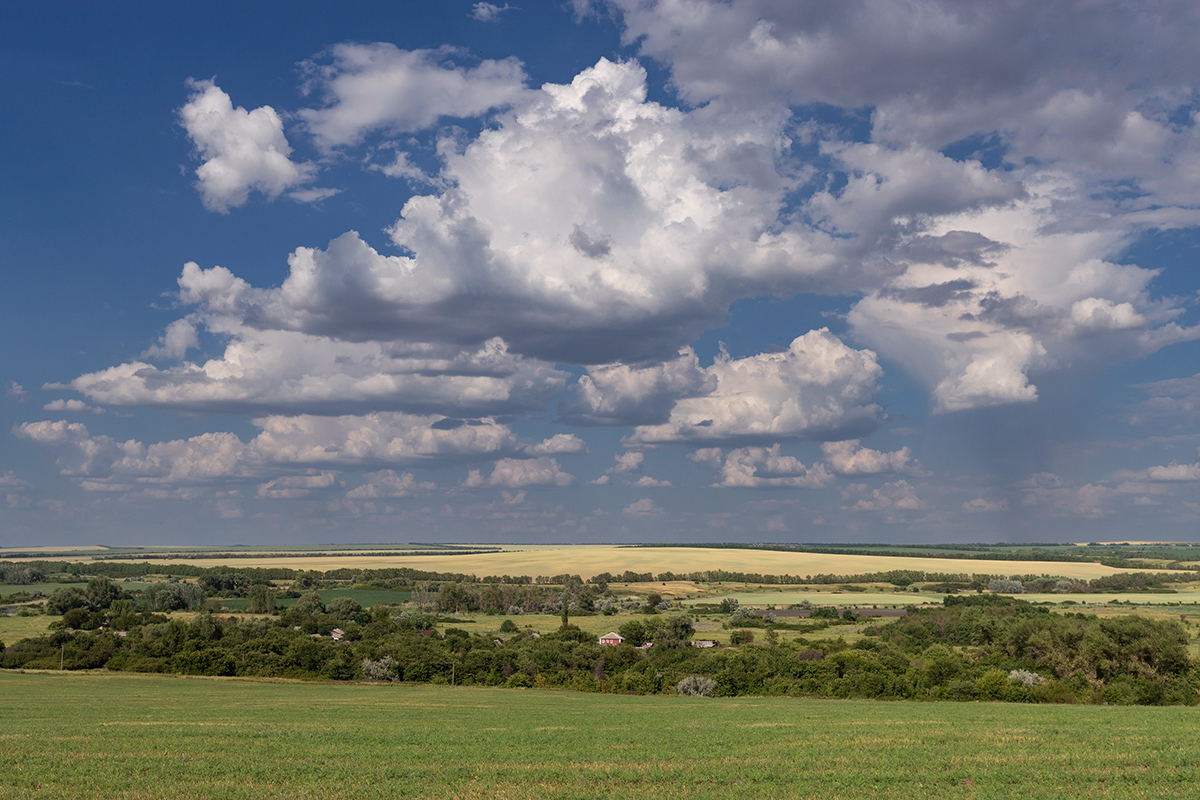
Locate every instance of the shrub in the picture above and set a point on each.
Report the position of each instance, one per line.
(1001, 586)
(382, 670)
(696, 686)
(1026, 677)
(741, 637)
(344, 607)
(508, 626)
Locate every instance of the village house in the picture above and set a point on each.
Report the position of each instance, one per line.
(611, 638)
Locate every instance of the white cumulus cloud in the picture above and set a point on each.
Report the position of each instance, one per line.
(819, 388)
(242, 150)
(851, 458)
(515, 473)
(374, 87)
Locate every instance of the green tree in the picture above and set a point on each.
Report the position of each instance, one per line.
(677, 632)
(262, 599)
(310, 604)
(65, 598)
(740, 637)
(101, 592)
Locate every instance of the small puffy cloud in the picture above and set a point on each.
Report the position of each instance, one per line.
(292, 487)
(9, 482)
(765, 468)
(898, 496)
(1171, 473)
(817, 389)
(603, 480)
(515, 473)
(79, 453)
(629, 461)
(646, 482)
(488, 12)
(558, 445)
(74, 406)
(1171, 399)
(618, 394)
(379, 87)
(402, 167)
(381, 437)
(242, 150)
(851, 458)
(706, 455)
(389, 483)
(179, 337)
(1099, 315)
(980, 505)
(642, 508)
(17, 392)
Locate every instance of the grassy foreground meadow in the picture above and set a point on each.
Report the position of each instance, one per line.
(97, 735)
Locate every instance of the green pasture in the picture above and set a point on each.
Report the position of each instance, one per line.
(1184, 596)
(133, 737)
(15, 628)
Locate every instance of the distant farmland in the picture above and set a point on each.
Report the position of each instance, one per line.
(589, 560)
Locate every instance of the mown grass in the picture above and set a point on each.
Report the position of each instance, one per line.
(125, 736)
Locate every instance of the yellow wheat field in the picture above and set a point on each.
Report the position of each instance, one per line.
(589, 560)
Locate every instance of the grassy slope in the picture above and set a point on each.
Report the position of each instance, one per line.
(121, 736)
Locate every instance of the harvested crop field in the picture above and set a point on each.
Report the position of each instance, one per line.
(127, 736)
(589, 560)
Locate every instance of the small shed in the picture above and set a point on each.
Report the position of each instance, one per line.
(703, 643)
(611, 638)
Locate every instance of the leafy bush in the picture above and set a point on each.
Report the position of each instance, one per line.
(174, 596)
(741, 636)
(382, 670)
(696, 686)
(1026, 677)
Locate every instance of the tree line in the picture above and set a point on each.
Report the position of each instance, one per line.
(974, 647)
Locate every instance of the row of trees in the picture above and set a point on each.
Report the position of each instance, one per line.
(973, 647)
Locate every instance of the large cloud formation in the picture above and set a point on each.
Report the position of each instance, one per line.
(970, 175)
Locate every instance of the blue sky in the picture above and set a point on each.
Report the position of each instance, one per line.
(755, 270)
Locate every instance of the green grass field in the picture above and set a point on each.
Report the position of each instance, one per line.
(14, 628)
(128, 736)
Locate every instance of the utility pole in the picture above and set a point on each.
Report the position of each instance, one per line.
(61, 655)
